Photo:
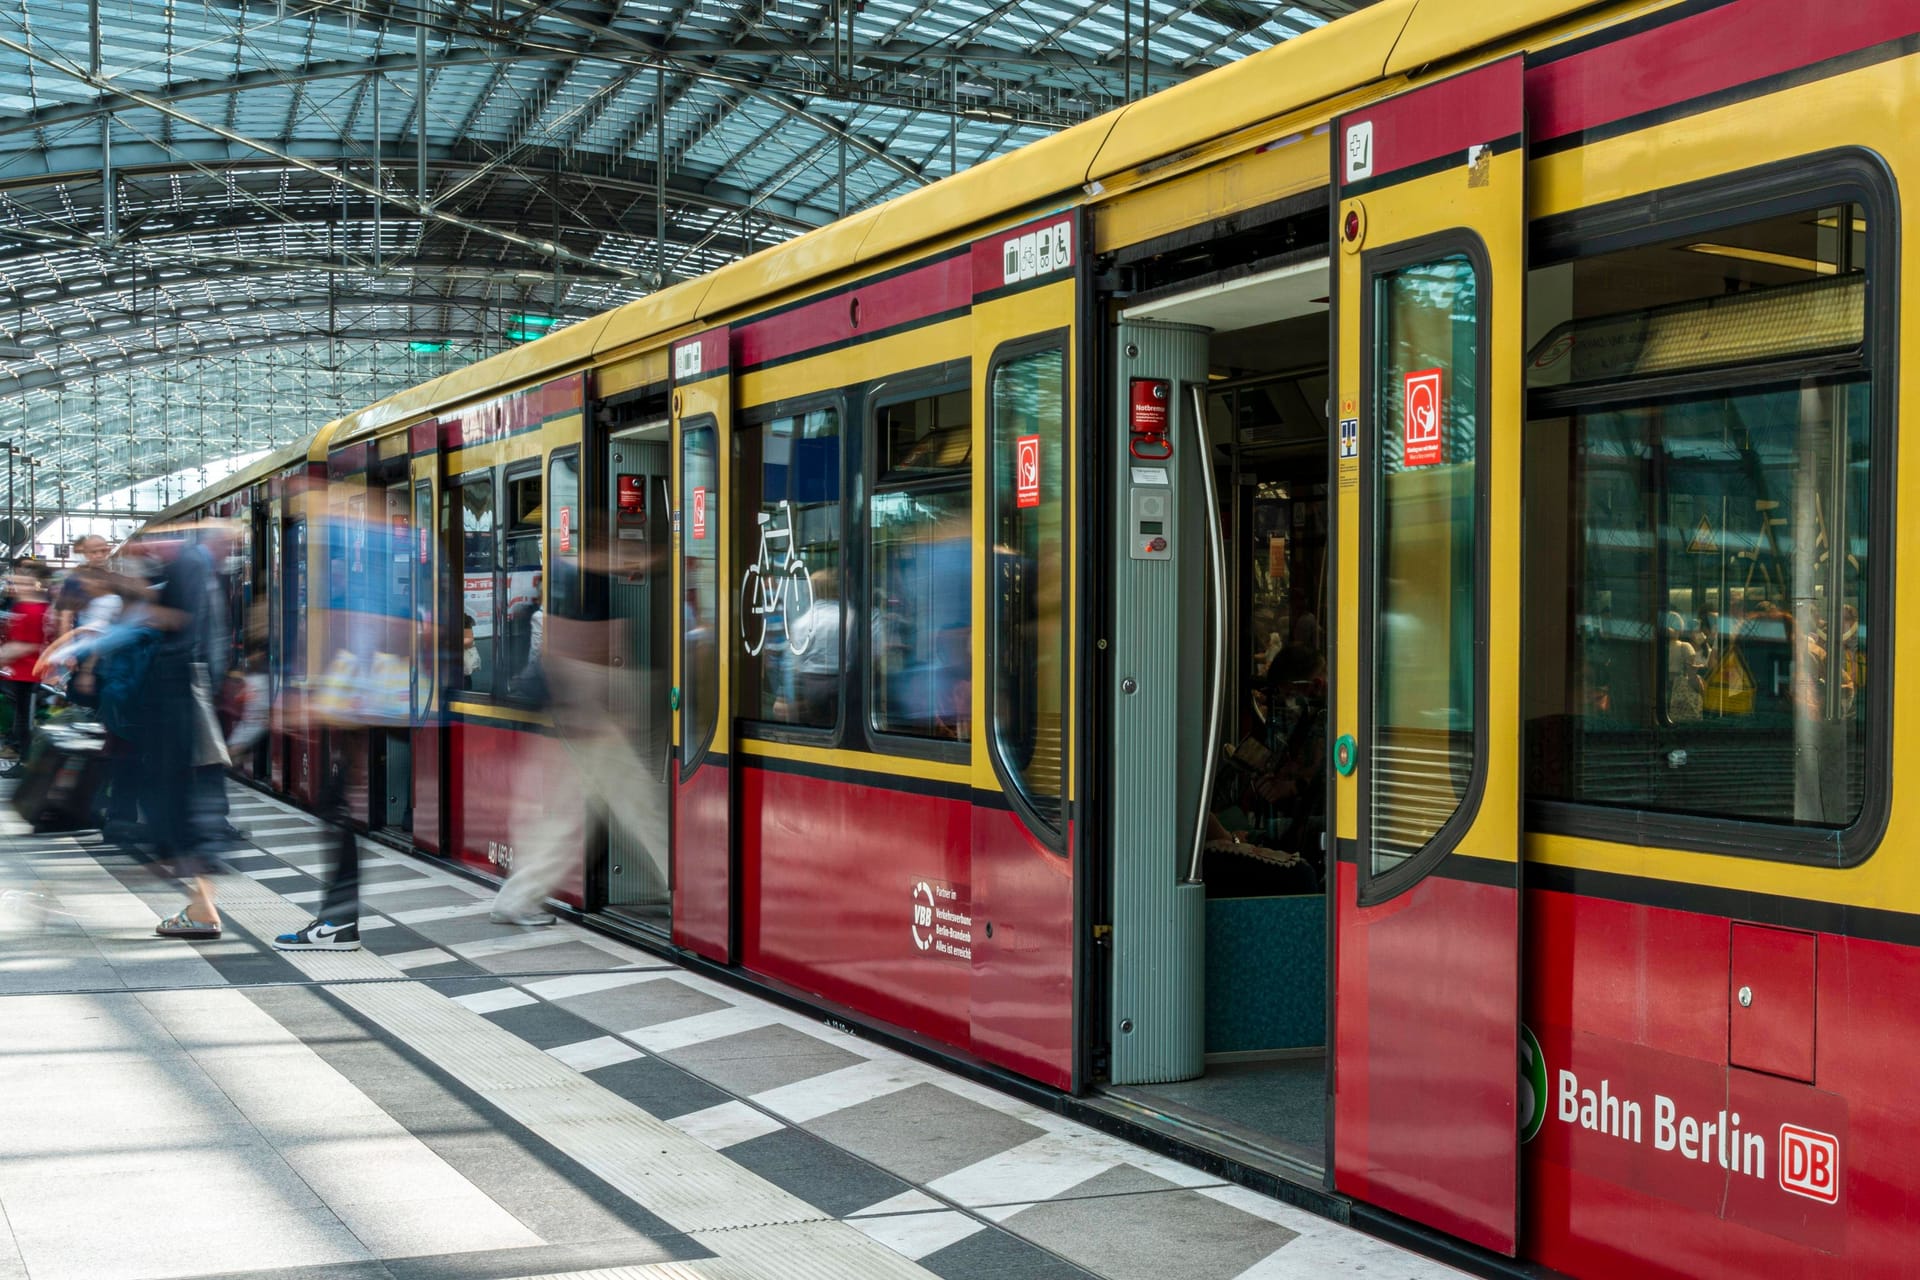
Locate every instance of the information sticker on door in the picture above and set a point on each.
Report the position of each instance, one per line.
(1026, 468)
(1423, 421)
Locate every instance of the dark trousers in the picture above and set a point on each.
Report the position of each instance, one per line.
(342, 903)
(24, 695)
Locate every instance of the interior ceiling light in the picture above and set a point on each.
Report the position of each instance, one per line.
(1762, 256)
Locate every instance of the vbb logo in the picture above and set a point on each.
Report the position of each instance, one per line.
(1026, 469)
(1810, 1163)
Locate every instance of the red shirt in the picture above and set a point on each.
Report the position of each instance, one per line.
(27, 624)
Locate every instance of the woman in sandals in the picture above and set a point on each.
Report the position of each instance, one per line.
(173, 731)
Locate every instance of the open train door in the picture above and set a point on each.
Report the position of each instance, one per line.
(1431, 221)
(703, 880)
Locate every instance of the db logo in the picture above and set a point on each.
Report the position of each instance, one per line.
(1026, 471)
(1810, 1163)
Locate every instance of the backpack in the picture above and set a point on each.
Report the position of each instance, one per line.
(119, 670)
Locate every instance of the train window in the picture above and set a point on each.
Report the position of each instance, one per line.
(1026, 401)
(700, 583)
(520, 595)
(791, 614)
(921, 537)
(563, 535)
(1699, 508)
(475, 557)
(1425, 708)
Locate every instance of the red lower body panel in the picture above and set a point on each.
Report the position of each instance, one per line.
(703, 863)
(1656, 1157)
(508, 788)
(426, 789)
(1424, 1078)
(882, 900)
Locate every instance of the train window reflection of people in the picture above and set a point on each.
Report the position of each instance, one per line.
(1743, 505)
(920, 519)
(787, 561)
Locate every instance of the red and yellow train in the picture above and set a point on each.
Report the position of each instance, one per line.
(1255, 611)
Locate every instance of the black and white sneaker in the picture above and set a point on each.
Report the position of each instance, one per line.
(321, 935)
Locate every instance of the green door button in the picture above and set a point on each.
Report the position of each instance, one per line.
(673, 697)
(1345, 755)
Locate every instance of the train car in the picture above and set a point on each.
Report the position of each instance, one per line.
(1343, 615)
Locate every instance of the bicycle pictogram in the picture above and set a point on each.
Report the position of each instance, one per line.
(764, 590)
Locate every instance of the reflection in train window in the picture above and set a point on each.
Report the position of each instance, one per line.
(1426, 712)
(474, 553)
(787, 561)
(521, 590)
(1699, 503)
(920, 519)
(1028, 590)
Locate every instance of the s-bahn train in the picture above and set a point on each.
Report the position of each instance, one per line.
(1343, 614)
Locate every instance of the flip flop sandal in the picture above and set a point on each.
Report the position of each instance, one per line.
(185, 926)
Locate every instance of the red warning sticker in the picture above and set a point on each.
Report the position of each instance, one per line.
(1026, 469)
(1423, 400)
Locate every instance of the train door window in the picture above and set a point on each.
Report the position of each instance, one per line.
(521, 588)
(421, 553)
(474, 554)
(563, 535)
(792, 614)
(1703, 522)
(1426, 711)
(1026, 401)
(700, 582)
(920, 530)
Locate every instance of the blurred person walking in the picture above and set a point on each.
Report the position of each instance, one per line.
(584, 671)
(74, 593)
(179, 738)
(26, 637)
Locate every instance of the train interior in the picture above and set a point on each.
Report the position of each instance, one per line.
(1243, 926)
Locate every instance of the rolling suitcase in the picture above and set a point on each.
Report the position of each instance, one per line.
(64, 769)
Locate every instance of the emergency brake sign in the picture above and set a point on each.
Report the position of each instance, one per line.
(1422, 408)
(1026, 471)
(699, 513)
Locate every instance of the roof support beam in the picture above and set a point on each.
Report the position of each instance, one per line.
(269, 149)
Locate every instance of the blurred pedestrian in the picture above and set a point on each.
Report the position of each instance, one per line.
(25, 638)
(74, 594)
(581, 680)
(179, 737)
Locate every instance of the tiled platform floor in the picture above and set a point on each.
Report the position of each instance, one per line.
(462, 1100)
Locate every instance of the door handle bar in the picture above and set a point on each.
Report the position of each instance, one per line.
(1216, 575)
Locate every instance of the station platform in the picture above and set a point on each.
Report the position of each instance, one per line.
(462, 1099)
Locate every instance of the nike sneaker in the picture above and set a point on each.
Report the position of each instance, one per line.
(321, 935)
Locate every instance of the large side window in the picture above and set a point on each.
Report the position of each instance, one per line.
(473, 552)
(1026, 399)
(921, 540)
(1425, 708)
(792, 614)
(1700, 506)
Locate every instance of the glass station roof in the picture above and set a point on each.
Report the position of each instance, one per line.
(223, 223)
